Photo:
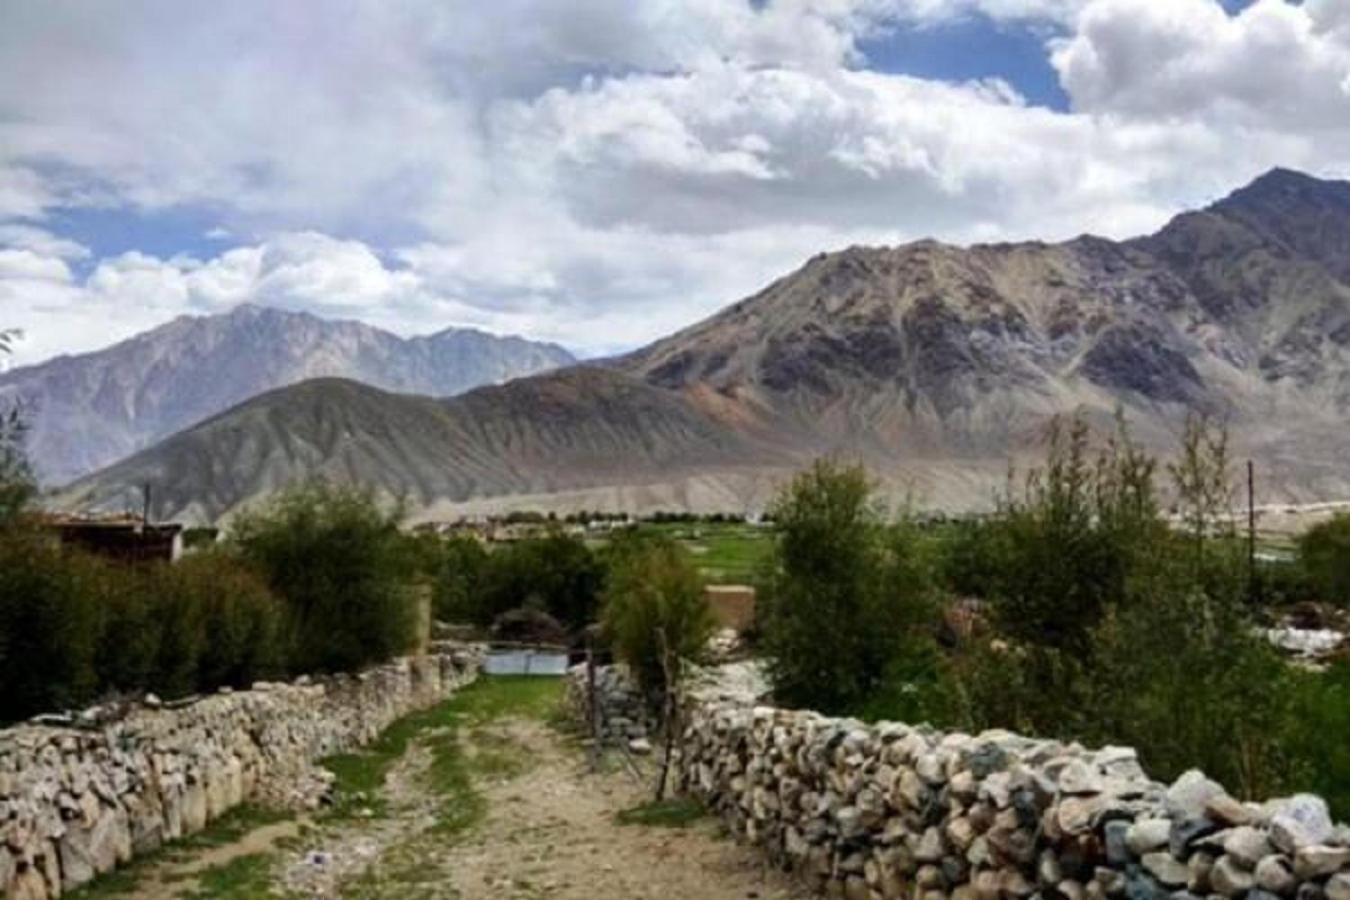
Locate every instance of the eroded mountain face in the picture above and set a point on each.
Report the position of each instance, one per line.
(90, 410)
(934, 364)
(1246, 301)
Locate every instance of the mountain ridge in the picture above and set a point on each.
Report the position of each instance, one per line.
(938, 364)
(88, 410)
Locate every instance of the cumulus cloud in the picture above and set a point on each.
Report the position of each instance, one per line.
(1273, 66)
(604, 171)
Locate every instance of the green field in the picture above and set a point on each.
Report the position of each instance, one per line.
(726, 553)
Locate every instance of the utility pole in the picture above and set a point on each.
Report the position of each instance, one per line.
(145, 505)
(1253, 586)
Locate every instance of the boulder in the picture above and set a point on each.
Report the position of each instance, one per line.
(1189, 794)
(1274, 875)
(1320, 860)
(1166, 868)
(1338, 887)
(1246, 846)
(1147, 835)
(1230, 879)
(1300, 821)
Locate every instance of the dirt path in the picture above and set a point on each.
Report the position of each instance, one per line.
(551, 832)
(485, 800)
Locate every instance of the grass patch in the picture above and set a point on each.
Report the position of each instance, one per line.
(361, 774)
(461, 750)
(232, 826)
(678, 812)
(229, 828)
(724, 552)
(244, 878)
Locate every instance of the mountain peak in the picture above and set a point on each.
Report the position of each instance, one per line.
(94, 408)
(1282, 188)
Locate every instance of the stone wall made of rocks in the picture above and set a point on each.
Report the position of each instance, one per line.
(623, 716)
(887, 810)
(79, 798)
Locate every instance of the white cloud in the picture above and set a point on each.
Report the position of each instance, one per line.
(603, 171)
(29, 237)
(1274, 66)
(25, 265)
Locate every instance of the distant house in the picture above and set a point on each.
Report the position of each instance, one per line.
(123, 539)
(733, 605)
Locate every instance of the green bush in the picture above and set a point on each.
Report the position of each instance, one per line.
(1324, 551)
(49, 627)
(557, 573)
(1321, 714)
(458, 578)
(1065, 550)
(1184, 677)
(241, 621)
(842, 597)
(339, 564)
(655, 612)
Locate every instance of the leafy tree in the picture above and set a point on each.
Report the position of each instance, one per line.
(16, 476)
(458, 578)
(49, 626)
(839, 601)
(655, 611)
(1324, 552)
(656, 614)
(241, 621)
(557, 573)
(339, 564)
(1184, 676)
(1065, 550)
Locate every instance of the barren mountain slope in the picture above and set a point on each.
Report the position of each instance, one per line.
(577, 429)
(90, 410)
(935, 364)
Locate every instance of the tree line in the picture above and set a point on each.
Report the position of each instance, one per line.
(1096, 615)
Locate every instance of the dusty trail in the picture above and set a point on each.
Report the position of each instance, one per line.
(487, 801)
(551, 832)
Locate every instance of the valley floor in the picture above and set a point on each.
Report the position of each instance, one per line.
(482, 797)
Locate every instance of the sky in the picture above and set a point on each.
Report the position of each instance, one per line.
(602, 172)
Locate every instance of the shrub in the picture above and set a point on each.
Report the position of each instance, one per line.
(657, 617)
(1064, 551)
(972, 557)
(1321, 714)
(841, 598)
(458, 579)
(557, 573)
(1183, 676)
(655, 612)
(129, 626)
(1324, 551)
(49, 627)
(242, 622)
(339, 564)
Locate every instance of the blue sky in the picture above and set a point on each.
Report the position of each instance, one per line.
(432, 163)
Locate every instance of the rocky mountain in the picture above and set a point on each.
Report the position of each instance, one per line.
(581, 428)
(90, 410)
(935, 364)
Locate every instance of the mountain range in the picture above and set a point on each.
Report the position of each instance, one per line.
(91, 410)
(934, 364)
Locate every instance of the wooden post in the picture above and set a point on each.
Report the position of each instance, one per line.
(592, 708)
(669, 680)
(1253, 583)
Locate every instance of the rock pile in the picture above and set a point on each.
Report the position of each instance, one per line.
(888, 810)
(78, 801)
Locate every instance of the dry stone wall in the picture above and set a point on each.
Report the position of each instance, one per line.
(622, 715)
(888, 810)
(79, 799)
